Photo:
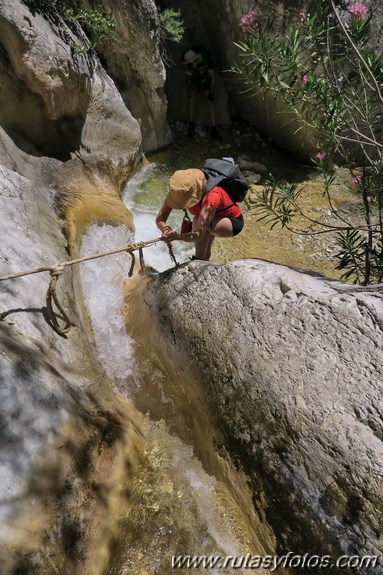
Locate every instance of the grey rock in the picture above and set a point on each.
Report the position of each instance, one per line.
(134, 62)
(251, 177)
(63, 107)
(215, 25)
(65, 134)
(57, 407)
(290, 365)
(246, 164)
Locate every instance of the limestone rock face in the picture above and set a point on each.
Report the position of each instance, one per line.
(61, 106)
(42, 62)
(290, 365)
(67, 142)
(214, 24)
(64, 436)
(135, 64)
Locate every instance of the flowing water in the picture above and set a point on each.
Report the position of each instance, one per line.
(185, 499)
(176, 506)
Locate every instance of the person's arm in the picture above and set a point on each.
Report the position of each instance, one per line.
(206, 216)
(161, 219)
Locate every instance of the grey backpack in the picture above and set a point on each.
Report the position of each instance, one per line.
(226, 174)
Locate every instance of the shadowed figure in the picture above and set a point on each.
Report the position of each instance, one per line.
(200, 76)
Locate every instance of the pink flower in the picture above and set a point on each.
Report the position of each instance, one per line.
(356, 180)
(302, 14)
(247, 22)
(358, 10)
(320, 155)
(304, 79)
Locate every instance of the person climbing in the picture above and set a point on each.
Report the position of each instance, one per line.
(214, 213)
(200, 76)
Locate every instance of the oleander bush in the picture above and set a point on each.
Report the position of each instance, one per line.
(329, 77)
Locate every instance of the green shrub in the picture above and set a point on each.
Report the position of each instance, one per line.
(99, 27)
(172, 25)
(331, 80)
(96, 25)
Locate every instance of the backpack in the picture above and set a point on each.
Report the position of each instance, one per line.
(226, 174)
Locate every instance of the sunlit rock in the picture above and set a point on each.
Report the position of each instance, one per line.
(64, 436)
(62, 106)
(67, 145)
(290, 365)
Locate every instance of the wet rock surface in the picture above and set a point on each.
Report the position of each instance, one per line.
(67, 137)
(64, 436)
(66, 141)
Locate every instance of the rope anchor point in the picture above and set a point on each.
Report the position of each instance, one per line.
(56, 271)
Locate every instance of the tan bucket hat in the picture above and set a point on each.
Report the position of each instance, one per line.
(186, 188)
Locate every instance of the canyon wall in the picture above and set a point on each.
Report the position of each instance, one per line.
(68, 144)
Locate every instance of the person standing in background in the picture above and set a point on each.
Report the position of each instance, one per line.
(200, 76)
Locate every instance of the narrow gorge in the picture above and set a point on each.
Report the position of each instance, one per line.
(215, 409)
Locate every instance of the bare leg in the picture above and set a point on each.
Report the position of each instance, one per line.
(191, 93)
(203, 247)
(211, 107)
(221, 228)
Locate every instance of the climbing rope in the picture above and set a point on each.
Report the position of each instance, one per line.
(52, 295)
(57, 270)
